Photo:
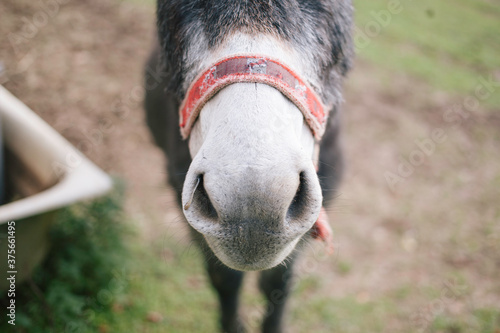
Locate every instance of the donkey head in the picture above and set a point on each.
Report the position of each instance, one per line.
(252, 188)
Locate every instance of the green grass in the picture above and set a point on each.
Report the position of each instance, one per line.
(480, 321)
(81, 275)
(326, 314)
(448, 43)
(175, 289)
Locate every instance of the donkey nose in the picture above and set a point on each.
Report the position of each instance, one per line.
(272, 200)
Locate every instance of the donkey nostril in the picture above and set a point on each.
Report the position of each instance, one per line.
(201, 201)
(299, 203)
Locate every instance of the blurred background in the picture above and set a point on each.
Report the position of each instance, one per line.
(416, 221)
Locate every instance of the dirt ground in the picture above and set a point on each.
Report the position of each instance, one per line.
(437, 225)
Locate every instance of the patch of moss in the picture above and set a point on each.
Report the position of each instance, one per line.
(84, 272)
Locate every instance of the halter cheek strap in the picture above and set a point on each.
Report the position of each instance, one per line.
(260, 69)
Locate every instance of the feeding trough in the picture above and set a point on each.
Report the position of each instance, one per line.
(40, 172)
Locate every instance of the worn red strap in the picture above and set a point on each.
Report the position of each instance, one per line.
(252, 68)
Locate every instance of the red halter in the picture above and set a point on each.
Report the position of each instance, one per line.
(259, 69)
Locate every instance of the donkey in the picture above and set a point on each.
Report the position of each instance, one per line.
(243, 98)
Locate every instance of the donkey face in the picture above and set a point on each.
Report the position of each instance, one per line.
(251, 189)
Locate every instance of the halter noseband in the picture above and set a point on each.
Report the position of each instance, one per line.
(255, 69)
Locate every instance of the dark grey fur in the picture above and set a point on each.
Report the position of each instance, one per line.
(319, 28)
